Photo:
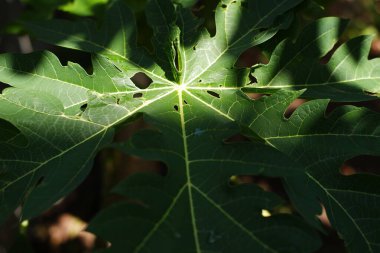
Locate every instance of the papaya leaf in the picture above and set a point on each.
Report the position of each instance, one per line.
(56, 118)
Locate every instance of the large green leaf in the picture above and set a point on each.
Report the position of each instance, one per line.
(57, 117)
(347, 76)
(66, 115)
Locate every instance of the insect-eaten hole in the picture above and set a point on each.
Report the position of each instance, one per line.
(252, 79)
(66, 55)
(185, 102)
(293, 106)
(370, 93)
(137, 95)
(3, 86)
(83, 107)
(141, 80)
(224, 6)
(361, 164)
(255, 96)
(324, 218)
(214, 94)
(175, 107)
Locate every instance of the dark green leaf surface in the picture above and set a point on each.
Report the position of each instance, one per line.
(321, 144)
(347, 76)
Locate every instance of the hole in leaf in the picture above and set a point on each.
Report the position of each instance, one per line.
(370, 93)
(323, 217)
(255, 96)
(293, 106)
(141, 80)
(117, 68)
(252, 78)
(332, 240)
(137, 95)
(194, 48)
(265, 213)
(200, 80)
(361, 164)
(224, 6)
(185, 101)
(214, 94)
(66, 55)
(83, 107)
(347, 170)
(3, 86)
(176, 108)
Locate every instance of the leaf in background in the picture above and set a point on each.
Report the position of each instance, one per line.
(83, 7)
(347, 76)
